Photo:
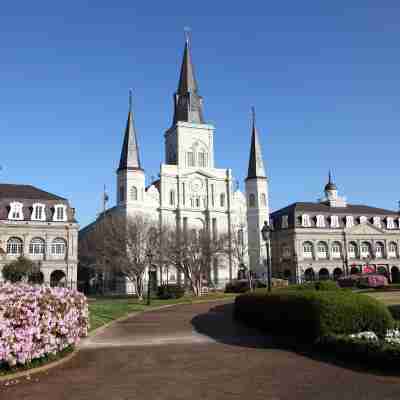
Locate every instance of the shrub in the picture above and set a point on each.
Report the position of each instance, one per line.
(370, 353)
(170, 291)
(372, 281)
(18, 270)
(316, 285)
(309, 314)
(37, 321)
(237, 286)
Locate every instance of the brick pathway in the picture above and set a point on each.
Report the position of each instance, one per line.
(195, 352)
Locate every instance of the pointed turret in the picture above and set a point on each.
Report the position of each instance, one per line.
(330, 185)
(256, 164)
(187, 101)
(130, 159)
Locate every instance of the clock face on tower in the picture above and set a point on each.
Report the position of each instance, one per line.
(196, 185)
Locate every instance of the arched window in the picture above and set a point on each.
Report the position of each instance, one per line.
(365, 249)
(172, 197)
(379, 250)
(322, 249)
(263, 200)
(36, 246)
(336, 250)
(202, 159)
(392, 249)
(286, 251)
(14, 246)
(190, 159)
(134, 193)
(58, 247)
(121, 193)
(337, 273)
(240, 237)
(222, 199)
(252, 200)
(352, 250)
(307, 250)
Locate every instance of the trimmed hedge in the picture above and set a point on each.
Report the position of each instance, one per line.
(316, 285)
(170, 292)
(309, 315)
(373, 354)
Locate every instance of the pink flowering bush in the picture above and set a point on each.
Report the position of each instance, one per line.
(36, 321)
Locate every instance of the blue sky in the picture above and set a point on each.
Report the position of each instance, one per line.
(323, 76)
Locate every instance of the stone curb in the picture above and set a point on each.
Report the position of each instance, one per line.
(92, 334)
(43, 368)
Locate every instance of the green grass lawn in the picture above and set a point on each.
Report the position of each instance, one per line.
(103, 310)
(391, 299)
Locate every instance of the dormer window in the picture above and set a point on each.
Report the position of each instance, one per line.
(349, 221)
(16, 211)
(305, 220)
(377, 222)
(320, 221)
(60, 212)
(285, 222)
(38, 212)
(389, 223)
(334, 221)
(363, 219)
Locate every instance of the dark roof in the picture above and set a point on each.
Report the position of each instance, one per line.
(323, 207)
(11, 191)
(188, 103)
(330, 185)
(130, 150)
(256, 164)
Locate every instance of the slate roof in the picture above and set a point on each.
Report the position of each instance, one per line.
(130, 149)
(11, 191)
(350, 209)
(256, 164)
(188, 102)
(28, 195)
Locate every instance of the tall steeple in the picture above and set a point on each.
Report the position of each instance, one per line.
(130, 159)
(188, 105)
(256, 164)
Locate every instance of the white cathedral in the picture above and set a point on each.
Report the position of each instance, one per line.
(192, 192)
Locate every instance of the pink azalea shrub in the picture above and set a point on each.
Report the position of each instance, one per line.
(37, 320)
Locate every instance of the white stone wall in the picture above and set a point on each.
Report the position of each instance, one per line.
(48, 231)
(255, 221)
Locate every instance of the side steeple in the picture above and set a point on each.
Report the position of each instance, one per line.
(130, 159)
(256, 165)
(188, 104)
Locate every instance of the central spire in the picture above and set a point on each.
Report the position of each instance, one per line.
(256, 164)
(130, 150)
(187, 101)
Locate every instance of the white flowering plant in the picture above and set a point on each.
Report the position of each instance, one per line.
(37, 321)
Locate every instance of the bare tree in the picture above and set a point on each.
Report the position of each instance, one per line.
(192, 255)
(119, 245)
(239, 250)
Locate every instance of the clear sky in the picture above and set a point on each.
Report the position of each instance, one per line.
(323, 76)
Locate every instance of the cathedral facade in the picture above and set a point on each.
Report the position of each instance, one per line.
(192, 193)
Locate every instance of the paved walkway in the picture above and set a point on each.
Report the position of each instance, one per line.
(195, 352)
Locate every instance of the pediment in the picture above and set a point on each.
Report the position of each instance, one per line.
(198, 172)
(364, 229)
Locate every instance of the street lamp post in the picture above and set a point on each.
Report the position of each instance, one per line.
(266, 235)
(150, 258)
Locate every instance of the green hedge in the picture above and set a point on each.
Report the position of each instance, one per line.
(316, 285)
(309, 315)
(372, 354)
